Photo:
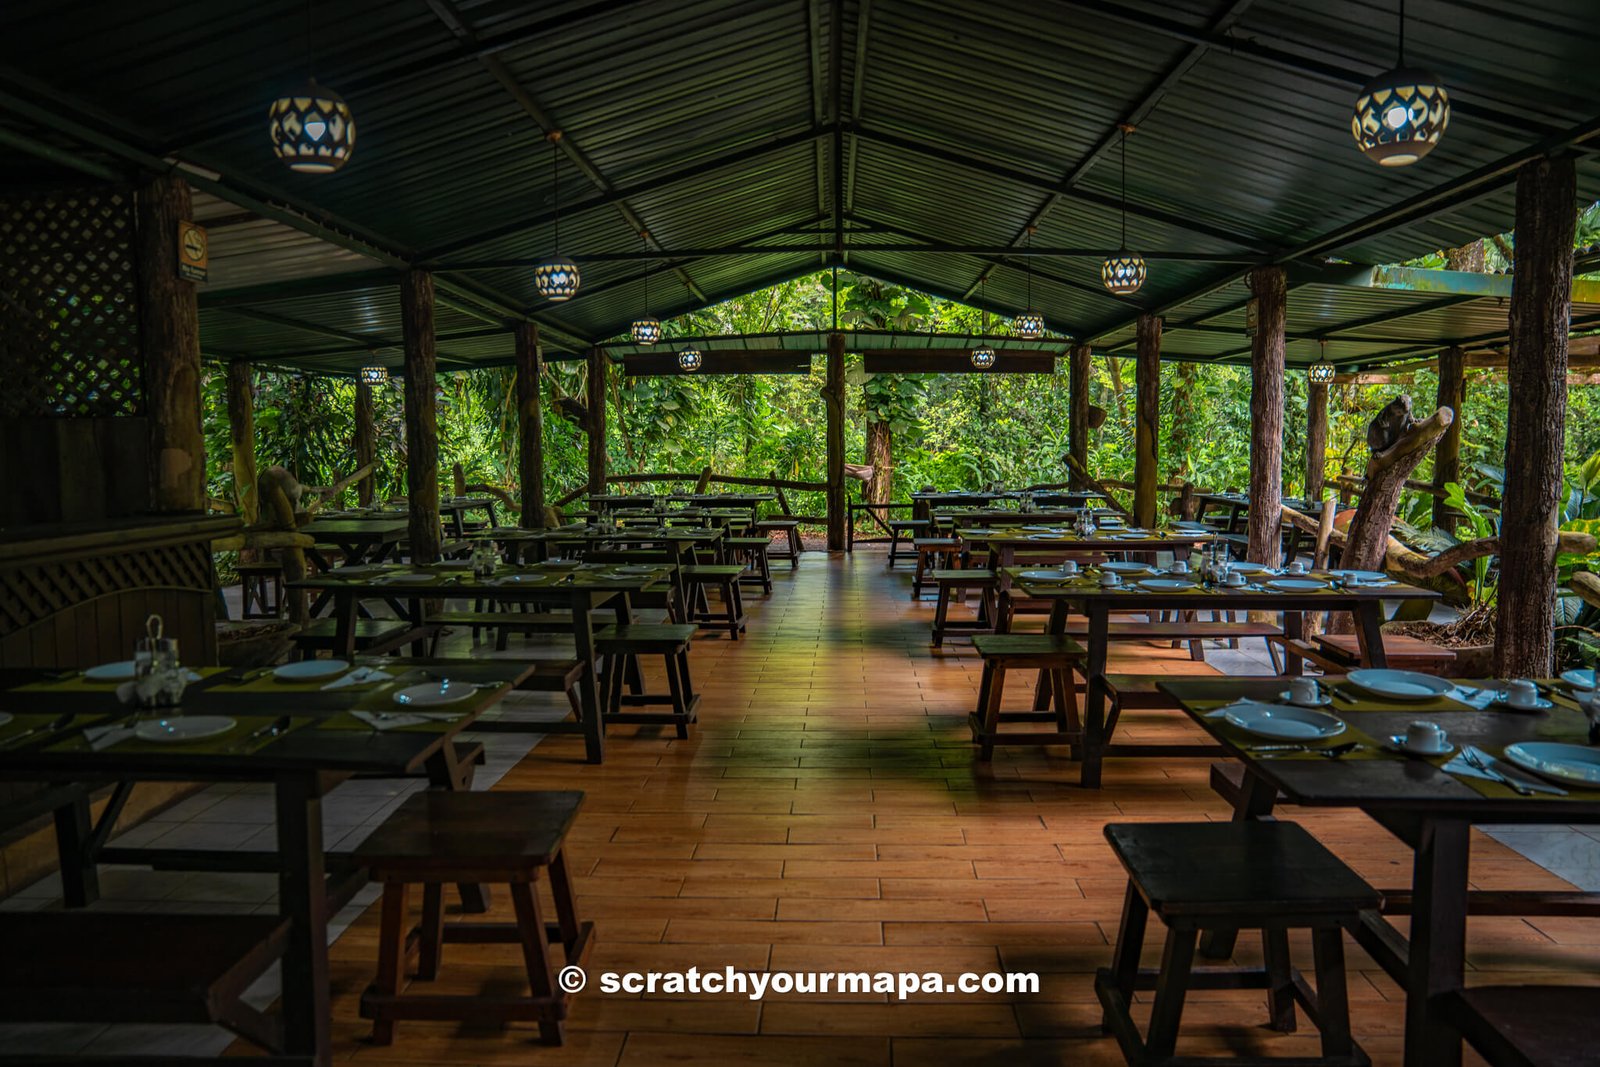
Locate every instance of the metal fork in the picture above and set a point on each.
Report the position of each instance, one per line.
(1475, 759)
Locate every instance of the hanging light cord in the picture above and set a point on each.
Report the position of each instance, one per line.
(1402, 34)
(1030, 269)
(555, 184)
(1124, 246)
(311, 63)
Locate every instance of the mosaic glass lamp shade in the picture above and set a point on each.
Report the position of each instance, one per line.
(1321, 373)
(1029, 325)
(690, 359)
(556, 279)
(374, 375)
(312, 130)
(1400, 116)
(1123, 273)
(983, 357)
(646, 331)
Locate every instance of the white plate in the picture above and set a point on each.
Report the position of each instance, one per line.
(1190, 525)
(1165, 585)
(639, 568)
(1296, 585)
(1126, 567)
(1048, 576)
(522, 579)
(1244, 566)
(1569, 764)
(1322, 701)
(1049, 528)
(358, 568)
(5, 717)
(561, 564)
(1129, 536)
(1399, 685)
(1045, 536)
(183, 728)
(1399, 741)
(120, 671)
(432, 694)
(1539, 704)
(1287, 723)
(1580, 679)
(1359, 577)
(310, 670)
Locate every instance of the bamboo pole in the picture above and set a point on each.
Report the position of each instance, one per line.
(422, 414)
(169, 340)
(530, 425)
(1541, 308)
(1147, 419)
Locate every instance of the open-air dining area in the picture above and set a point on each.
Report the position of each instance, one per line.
(859, 532)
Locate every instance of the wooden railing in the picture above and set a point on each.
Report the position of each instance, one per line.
(1350, 490)
(704, 479)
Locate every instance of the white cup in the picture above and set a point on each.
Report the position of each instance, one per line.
(1069, 566)
(1110, 579)
(1426, 737)
(1234, 578)
(1179, 566)
(1304, 691)
(1522, 693)
(1297, 567)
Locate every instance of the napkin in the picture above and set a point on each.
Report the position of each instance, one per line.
(103, 737)
(1459, 765)
(359, 676)
(389, 720)
(1477, 702)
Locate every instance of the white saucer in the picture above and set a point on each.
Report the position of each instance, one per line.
(1399, 742)
(184, 728)
(5, 717)
(1579, 679)
(433, 694)
(1322, 701)
(310, 670)
(120, 671)
(1539, 704)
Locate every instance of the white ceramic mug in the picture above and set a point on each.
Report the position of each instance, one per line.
(1069, 566)
(1426, 737)
(1234, 578)
(1297, 567)
(1522, 693)
(1179, 566)
(1110, 578)
(1304, 691)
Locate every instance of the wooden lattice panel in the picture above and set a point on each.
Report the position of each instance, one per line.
(32, 594)
(69, 330)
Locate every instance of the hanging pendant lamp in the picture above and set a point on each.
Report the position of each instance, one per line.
(312, 129)
(1401, 114)
(690, 359)
(1030, 324)
(1124, 272)
(1321, 372)
(646, 330)
(557, 277)
(983, 356)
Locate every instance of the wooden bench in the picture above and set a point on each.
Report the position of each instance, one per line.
(725, 577)
(904, 530)
(1192, 632)
(953, 581)
(1526, 1026)
(1341, 653)
(792, 545)
(1198, 876)
(1055, 658)
(373, 637)
(547, 676)
(504, 623)
(144, 967)
(933, 553)
(754, 553)
(437, 838)
(261, 583)
(622, 646)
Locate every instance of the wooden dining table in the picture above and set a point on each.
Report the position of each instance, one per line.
(1086, 596)
(1006, 542)
(581, 591)
(362, 540)
(1429, 809)
(321, 744)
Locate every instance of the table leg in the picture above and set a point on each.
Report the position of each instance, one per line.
(303, 900)
(80, 877)
(1094, 699)
(1294, 629)
(449, 774)
(594, 738)
(1369, 633)
(494, 521)
(1436, 960)
(344, 635)
(1256, 799)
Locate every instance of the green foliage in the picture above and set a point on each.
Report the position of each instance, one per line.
(1480, 522)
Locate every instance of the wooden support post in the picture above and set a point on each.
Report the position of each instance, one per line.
(1316, 439)
(596, 397)
(1266, 416)
(1078, 406)
(1147, 420)
(530, 425)
(1447, 457)
(169, 329)
(242, 432)
(366, 442)
(833, 397)
(1541, 307)
(422, 414)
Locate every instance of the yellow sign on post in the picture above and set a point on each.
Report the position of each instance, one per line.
(194, 252)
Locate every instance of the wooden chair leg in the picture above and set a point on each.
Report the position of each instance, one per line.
(535, 954)
(430, 944)
(391, 954)
(1333, 996)
(941, 611)
(1172, 984)
(680, 706)
(1280, 980)
(995, 683)
(1130, 943)
(566, 903)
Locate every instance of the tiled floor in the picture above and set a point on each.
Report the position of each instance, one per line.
(827, 814)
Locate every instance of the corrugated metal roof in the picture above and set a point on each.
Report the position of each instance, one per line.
(710, 122)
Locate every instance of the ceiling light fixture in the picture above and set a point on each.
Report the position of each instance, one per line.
(983, 356)
(311, 129)
(557, 277)
(1124, 272)
(646, 330)
(690, 359)
(1030, 324)
(1401, 114)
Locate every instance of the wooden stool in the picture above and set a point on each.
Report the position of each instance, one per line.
(792, 547)
(435, 838)
(725, 576)
(1526, 1026)
(960, 581)
(1267, 876)
(621, 646)
(753, 553)
(932, 553)
(904, 530)
(254, 580)
(1054, 656)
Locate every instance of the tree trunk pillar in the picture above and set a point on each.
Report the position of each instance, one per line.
(169, 327)
(1078, 407)
(530, 425)
(422, 414)
(1147, 424)
(833, 398)
(366, 441)
(1316, 439)
(1447, 459)
(595, 396)
(1266, 416)
(242, 433)
(1541, 305)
